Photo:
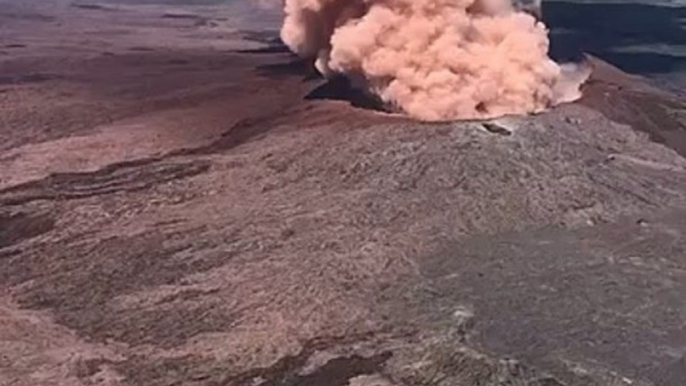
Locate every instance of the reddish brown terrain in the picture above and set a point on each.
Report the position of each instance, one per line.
(182, 202)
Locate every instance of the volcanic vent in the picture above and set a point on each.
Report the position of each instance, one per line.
(435, 59)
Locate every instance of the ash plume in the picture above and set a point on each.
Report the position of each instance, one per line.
(435, 59)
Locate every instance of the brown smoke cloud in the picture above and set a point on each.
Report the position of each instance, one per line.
(435, 59)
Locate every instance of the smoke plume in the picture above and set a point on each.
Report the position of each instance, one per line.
(434, 59)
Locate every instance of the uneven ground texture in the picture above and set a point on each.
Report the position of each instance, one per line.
(183, 203)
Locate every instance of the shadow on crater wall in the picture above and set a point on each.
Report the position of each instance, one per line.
(600, 29)
(339, 88)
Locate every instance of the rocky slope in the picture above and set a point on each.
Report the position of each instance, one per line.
(182, 202)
